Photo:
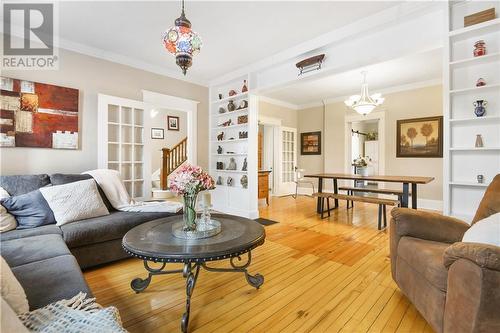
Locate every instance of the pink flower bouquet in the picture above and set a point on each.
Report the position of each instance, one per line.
(188, 182)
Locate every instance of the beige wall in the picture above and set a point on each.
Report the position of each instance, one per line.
(287, 116)
(171, 137)
(311, 120)
(92, 76)
(416, 103)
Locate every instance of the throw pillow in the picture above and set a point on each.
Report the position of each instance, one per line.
(11, 290)
(9, 321)
(30, 210)
(74, 201)
(486, 231)
(7, 221)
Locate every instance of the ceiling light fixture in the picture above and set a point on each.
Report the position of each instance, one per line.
(364, 103)
(181, 41)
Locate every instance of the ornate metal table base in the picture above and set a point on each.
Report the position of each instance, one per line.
(190, 273)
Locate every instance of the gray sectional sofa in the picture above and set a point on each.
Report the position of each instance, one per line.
(47, 260)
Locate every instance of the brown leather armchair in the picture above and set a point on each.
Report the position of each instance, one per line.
(454, 285)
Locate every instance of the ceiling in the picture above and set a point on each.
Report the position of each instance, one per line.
(235, 34)
(415, 68)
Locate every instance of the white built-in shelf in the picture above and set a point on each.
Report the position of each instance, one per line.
(229, 127)
(231, 171)
(113, 143)
(231, 98)
(226, 141)
(475, 119)
(230, 113)
(476, 29)
(474, 148)
(468, 184)
(225, 155)
(475, 89)
(234, 186)
(133, 180)
(113, 123)
(475, 60)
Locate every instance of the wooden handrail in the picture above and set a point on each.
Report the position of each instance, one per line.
(172, 158)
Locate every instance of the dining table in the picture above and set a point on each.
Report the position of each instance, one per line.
(406, 181)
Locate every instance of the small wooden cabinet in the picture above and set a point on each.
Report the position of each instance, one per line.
(264, 185)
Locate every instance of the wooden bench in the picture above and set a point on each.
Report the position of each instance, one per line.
(382, 204)
(351, 190)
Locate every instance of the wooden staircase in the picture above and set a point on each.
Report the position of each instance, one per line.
(171, 160)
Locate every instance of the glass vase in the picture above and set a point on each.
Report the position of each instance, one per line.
(189, 212)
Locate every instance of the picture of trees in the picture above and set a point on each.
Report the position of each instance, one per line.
(420, 137)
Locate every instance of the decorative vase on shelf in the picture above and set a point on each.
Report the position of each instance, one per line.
(479, 48)
(479, 141)
(189, 211)
(231, 106)
(245, 88)
(480, 107)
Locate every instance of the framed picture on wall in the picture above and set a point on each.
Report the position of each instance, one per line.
(157, 133)
(420, 137)
(173, 123)
(310, 143)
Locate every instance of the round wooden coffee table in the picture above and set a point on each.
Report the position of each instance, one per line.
(154, 242)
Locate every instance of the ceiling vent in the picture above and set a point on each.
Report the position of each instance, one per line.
(310, 64)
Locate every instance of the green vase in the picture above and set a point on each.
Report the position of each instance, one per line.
(189, 212)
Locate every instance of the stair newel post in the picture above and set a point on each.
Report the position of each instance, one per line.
(165, 168)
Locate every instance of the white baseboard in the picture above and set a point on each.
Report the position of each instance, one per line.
(422, 203)
(430, 204)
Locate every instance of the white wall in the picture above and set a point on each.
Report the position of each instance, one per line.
(92, 76)
(171, 137)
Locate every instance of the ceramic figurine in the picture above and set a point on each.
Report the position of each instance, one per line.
(222, 110)
(219, 150)
(479, 141)
(244, 181)
(243, 119)
(219, 180)
(220, 96)
(243, 135)
(245, 165)
(229, 181)
(226, 123)
(220, 136)
(231, 106)
(480, 107)
(243, 105)
(232, 164)
(220, 166)
(232, 93)
(480, 82)
(245, 88)
(479, 48)
(480, 179)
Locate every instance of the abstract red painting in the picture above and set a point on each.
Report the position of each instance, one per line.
(38, 115)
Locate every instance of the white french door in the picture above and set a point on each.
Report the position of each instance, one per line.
(122, 141)
(288, 157)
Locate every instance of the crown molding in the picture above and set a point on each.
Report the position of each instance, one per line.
(386, 91)
(278, 102)
(127, 61)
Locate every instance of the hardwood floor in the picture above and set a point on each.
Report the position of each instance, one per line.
(330, 275)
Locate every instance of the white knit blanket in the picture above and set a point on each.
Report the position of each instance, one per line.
(114, 189)
(77, 315)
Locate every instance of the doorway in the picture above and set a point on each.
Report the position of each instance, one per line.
(365, 138)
